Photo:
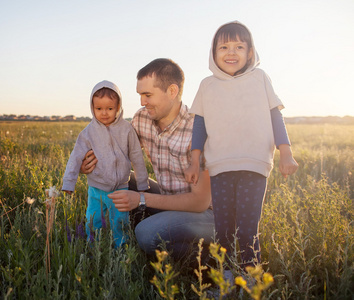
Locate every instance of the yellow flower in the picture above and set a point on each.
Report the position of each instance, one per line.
(267, 278)
(240, 281)
(254, 271)
(222, 250)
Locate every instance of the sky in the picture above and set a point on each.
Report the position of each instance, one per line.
(52, 53)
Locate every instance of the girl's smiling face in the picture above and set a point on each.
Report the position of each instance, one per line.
(232, 56)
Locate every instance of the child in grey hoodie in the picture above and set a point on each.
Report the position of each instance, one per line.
(117, 148)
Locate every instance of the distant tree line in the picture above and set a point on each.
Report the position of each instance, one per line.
(13, 117)
(315, 120)
(288, 120)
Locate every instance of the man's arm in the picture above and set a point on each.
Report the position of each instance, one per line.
(198, 200)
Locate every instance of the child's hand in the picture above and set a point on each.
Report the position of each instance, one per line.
(287, 163)
(191, 174)
(288, 166)
(68, 192)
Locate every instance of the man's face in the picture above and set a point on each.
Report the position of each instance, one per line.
(157, 102)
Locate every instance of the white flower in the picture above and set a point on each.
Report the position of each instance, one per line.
(30, 200)
(52, 192)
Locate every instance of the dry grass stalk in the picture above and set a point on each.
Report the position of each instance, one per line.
(52, 193)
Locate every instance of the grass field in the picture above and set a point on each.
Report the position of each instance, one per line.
(306, 229)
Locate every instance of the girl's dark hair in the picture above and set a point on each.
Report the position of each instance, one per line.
(232, 32)
(103, 92)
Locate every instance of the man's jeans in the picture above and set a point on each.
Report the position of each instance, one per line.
(178, 231)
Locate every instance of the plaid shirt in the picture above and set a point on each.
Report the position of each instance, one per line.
(169, 150)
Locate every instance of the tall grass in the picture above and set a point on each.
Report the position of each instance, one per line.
(306, 227)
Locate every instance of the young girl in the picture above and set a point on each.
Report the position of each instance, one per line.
(237, 122)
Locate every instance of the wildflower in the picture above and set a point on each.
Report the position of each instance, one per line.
(68, 233)
(254, 271)
(79, 231)
(52, 192)
(36, 230)
(78, 278)
(240, 281)
(38, 211)
(268, 278)
(9, 254)
(103, 220)
(30, 200)
(92, 236)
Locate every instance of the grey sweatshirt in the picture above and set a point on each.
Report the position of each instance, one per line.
(116, 147)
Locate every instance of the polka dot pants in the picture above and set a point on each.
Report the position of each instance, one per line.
(237, 203)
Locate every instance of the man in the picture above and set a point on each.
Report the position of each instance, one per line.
(180, 214)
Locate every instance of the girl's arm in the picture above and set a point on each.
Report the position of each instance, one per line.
(279, 129)
(287, 163)
(198, 140)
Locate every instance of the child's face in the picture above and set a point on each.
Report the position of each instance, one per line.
(232, 56)
(105, 109)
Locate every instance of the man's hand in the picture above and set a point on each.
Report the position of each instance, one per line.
(125, 200)
(89, 163)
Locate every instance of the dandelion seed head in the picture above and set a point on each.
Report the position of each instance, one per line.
(30, 200)
(52, 192)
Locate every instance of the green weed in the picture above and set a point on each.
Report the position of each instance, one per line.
(306, 227)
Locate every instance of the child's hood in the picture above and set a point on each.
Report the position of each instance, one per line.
(112, 86)
(221, 74)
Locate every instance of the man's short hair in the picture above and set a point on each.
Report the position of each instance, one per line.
(166, 72)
